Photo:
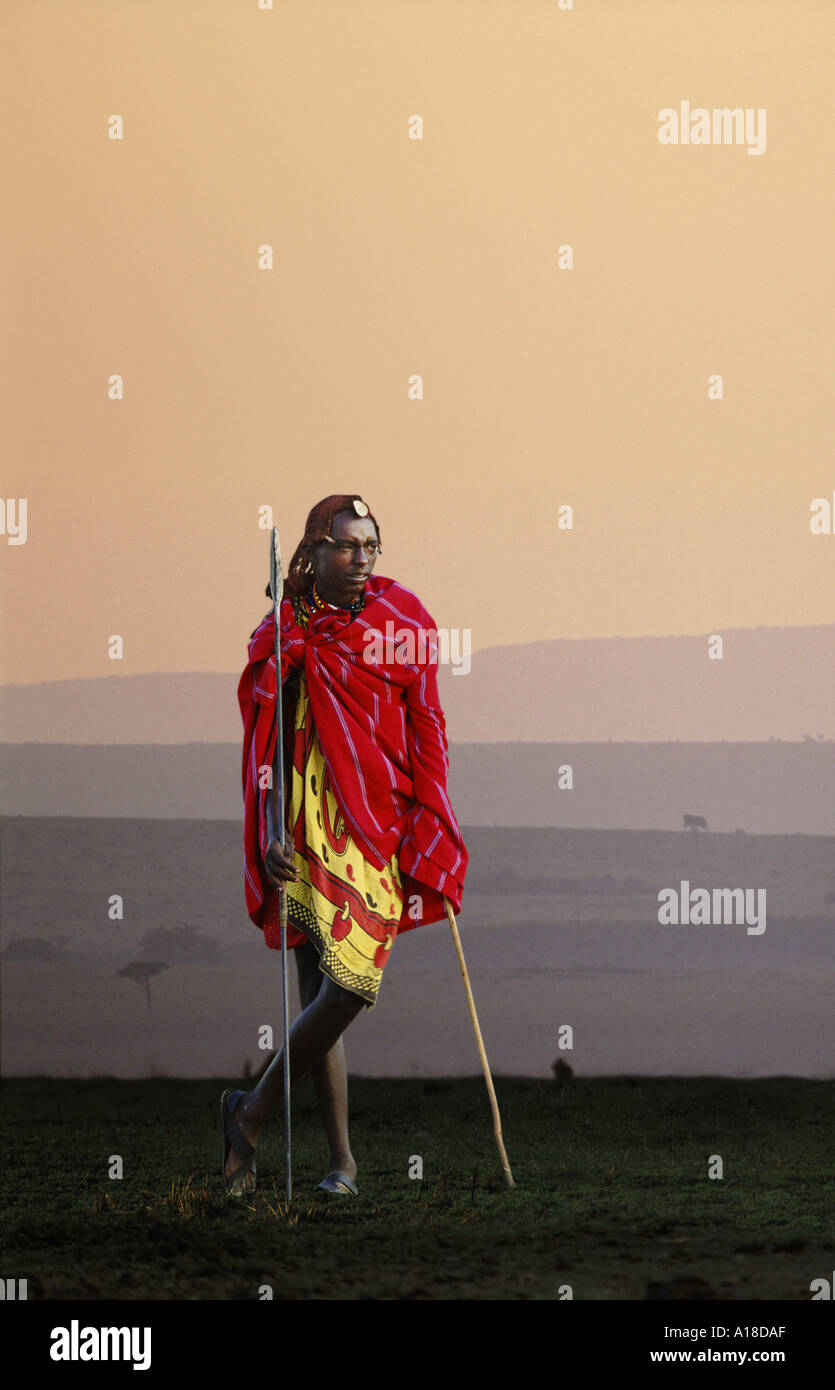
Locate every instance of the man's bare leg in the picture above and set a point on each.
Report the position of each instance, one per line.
(315, 1046)
(330, 1077)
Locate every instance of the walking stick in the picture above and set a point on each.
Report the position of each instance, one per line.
(277, 591)
(497, 1124)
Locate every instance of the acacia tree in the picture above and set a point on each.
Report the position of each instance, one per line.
(142, 971)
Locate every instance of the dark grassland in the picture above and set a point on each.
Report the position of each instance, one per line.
(613, 1196)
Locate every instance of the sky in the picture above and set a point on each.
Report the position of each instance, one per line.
(246, 388)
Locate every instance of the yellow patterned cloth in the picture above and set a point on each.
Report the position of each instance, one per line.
(346, 906)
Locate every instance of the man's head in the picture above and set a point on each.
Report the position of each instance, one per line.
(336, 550)
(344, 560)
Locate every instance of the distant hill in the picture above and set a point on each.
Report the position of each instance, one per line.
(764, 788)
(772, 683)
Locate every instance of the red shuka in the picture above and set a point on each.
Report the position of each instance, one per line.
(383, 735)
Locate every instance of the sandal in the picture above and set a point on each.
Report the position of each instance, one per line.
(339, 1183)
(235, 1142)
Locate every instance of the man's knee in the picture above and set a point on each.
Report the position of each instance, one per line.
(310, 976)
(340, 1002)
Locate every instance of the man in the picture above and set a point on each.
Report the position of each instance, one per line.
(372, 845)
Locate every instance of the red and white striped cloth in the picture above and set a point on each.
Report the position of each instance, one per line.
(383, 735)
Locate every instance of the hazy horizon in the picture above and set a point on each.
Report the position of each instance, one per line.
(558, 927)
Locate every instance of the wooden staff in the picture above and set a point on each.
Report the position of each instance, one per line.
(497, 1124)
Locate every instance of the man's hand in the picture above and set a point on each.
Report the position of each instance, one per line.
(279, 863)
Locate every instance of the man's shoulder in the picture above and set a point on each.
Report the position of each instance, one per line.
(401, 601)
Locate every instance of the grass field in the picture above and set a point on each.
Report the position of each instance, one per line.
(612, 1198)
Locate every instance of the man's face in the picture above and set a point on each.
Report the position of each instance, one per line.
(343, 566)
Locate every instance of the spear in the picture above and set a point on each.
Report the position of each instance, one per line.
(277, 591)
(494, 1104)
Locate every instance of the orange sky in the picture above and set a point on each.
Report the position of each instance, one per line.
(395, 256)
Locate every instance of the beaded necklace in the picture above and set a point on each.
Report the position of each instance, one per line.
(317, 601)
